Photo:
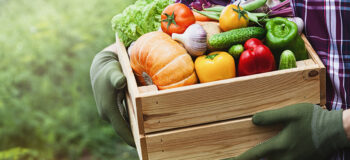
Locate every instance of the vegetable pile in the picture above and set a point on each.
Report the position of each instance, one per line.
(209, 40)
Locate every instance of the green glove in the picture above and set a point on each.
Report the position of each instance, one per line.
(108, 83)
(309, 133)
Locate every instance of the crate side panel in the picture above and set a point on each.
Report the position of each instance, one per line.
(131, 82)
(126, 67)
(226, 101)
(318, 61)
(138, 138)
(213, 141)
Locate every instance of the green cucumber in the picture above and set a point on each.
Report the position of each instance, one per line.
(287, 60)
(236, 50)
(224, 40)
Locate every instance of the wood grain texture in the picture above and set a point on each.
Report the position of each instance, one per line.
(322, 71)
(208, 142)
(153, 113)
(126, 67)
(139, 139)
(306, 63)
(131, 83)
(231, 98)
(147, 89)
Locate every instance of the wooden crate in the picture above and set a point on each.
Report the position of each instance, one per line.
(213, 120)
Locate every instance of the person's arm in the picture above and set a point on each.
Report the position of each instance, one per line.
(346, 123)
(108, 85)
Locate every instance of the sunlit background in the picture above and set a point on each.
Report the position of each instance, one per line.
(47, 110)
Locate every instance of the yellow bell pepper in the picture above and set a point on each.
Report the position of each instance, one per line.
(215, 66)
(233, 17)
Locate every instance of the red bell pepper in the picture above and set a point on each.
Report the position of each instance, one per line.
(257, 58)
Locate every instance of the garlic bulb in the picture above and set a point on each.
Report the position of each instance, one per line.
(194, 39)
(129, 49)
(299, 22)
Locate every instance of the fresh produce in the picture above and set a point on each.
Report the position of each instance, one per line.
(233, 17)
(210, 14)
(200, 4)
(287, 60)
(280, 32)
(257, 58)
(176, 18)
(217, 8)
(215, 66)
(272, 3)
(257, 17)
(283, 34)
(236, 50)
(263, 9)
(260, 10)
(211, 28)
(156, 58)
(299, 22)
(194, 39)
(225, 40)
(215, 12)
(251, 5)
(138, 19)
(298, 48)
(282, 9)
(200, 17)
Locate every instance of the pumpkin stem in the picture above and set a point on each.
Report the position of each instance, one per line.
(147, 78)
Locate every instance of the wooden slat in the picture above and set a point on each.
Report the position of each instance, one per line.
(147, 89)
(306, 63)
(126, 67)
(226, 99)
(301, 64)
(322, 71)
(213, 102)
(139, 139)
(131, 82)
(207, 142)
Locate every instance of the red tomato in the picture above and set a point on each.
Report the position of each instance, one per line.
(176, 18)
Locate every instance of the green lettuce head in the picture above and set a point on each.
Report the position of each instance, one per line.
(138, 19)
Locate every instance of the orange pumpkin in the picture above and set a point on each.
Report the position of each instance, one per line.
(155, 56)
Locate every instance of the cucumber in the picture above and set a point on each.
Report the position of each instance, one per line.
(224, 40)
(287, 60)
(236, 50)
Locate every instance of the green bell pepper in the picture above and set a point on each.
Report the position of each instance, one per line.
(283, 34)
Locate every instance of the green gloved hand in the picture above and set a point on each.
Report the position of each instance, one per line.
(108, 83)
(309, 133)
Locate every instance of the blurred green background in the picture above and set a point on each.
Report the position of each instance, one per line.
(47, 110)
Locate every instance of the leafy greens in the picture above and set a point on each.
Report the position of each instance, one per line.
(140, 18)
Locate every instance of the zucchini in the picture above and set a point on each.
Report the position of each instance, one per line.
(287, 60)
(224, 40)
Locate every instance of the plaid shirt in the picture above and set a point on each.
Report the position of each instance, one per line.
(327, 27)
